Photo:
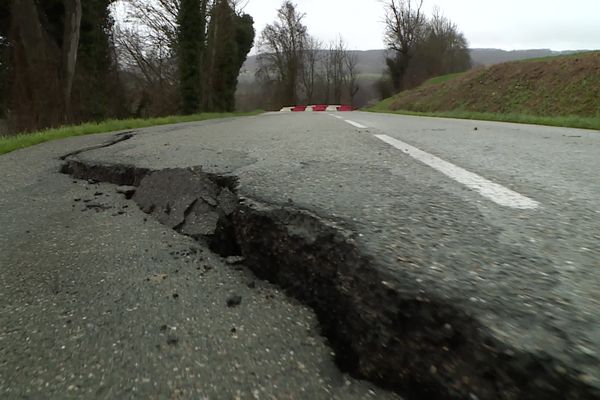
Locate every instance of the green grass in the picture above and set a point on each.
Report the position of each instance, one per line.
(496, 94)
(552, 58)
(565, 121)
(443, 78)
(12, 143)
(383, 106)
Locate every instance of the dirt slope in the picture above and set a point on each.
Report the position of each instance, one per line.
(557, 86)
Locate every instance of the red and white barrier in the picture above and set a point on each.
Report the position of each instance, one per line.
(319, 108)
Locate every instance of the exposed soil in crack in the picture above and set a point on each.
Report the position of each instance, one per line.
(117, 174)
(382, 329)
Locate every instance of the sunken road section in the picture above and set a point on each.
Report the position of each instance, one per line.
(381, 327)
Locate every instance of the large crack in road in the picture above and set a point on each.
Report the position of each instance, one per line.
(382, 329)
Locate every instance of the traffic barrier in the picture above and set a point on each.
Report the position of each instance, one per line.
(320, 108)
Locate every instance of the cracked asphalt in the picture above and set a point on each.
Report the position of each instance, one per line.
(529, 276)
(99, 300)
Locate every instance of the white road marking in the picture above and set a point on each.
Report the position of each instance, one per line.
(493, 191)
(356, 124)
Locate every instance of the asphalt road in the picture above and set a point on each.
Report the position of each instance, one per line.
(502, 221)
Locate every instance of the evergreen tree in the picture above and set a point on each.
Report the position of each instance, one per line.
(4, 18)
(65, 75)
(230, 39)
(97, 88)
(245, 35)
(4, 55)
(191, 35)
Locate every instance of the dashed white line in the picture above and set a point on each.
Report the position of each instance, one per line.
(356, 124)
(493, 191)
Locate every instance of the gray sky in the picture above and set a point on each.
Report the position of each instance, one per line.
(504, 24)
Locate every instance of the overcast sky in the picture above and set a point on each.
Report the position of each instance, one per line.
(504, 24)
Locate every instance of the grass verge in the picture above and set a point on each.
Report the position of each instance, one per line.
(443, 78)
(557, 91)
(565, 121)
(12, 143)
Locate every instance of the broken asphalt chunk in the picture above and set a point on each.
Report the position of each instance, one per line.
(234, 301)
(127, 191)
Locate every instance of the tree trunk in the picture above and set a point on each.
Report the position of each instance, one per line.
(36, 93)
(43, 69)
(69, 50)
(203, 86)
(211, 58)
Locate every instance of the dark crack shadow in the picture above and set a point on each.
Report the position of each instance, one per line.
(119, 137)
(121, 174)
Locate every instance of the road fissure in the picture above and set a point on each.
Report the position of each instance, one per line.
(382, 328)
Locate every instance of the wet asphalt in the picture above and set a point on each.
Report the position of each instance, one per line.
(89, 281)
(98, 300)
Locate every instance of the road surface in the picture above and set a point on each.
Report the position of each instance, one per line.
(441, 258)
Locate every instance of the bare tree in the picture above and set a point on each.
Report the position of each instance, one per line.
(282, 46)
(150, 30)
(157, 18)
(328, 67)
(405, 23)
(310, 67)
(351, 78)
(146, 48)
(444, 46)
(341, 72)
(290, 60)
(334, 70)
(421, 47)
(151, 71)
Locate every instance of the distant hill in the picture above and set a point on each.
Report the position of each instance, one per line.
(371, 65)
(555, 86)
(372, 62)
(495, 56)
